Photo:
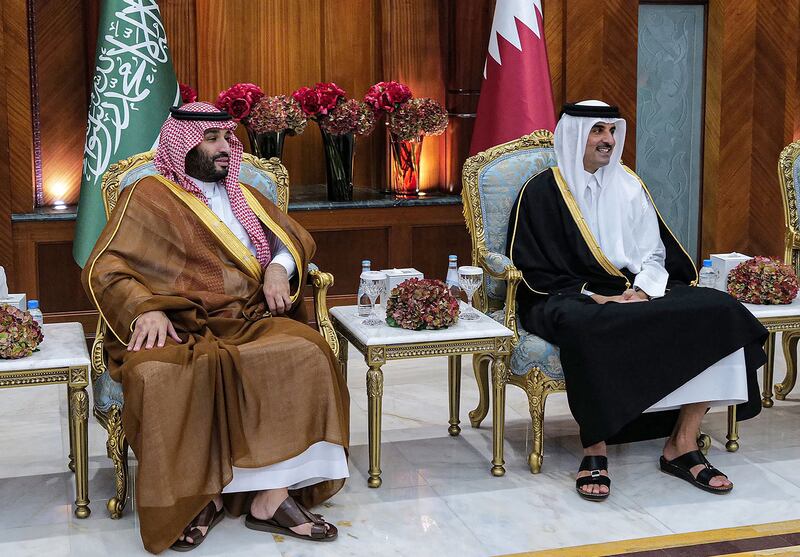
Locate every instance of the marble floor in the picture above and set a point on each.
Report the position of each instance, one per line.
(437, 498)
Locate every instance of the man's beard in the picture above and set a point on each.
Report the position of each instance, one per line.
(202, 167)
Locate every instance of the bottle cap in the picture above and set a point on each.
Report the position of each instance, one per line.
(452, 257)
(33, 304)
(706, 263)
(366, 263)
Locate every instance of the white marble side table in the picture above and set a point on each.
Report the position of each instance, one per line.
(785, 319)
(383, 343)
(62, 358)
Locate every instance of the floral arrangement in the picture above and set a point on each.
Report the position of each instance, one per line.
(421, 304)
(387, 96)
(762, 280)
(275, 114)
(188, 95)
(318, 101)
(239, 100)
(350, 116)
(20, 333)
(418, 117)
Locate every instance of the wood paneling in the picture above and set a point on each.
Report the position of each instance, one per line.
(341, 251)
(60, 278)
(61, 70)
(180, 25)
(432, 244)
(6, 238)
(554, 20)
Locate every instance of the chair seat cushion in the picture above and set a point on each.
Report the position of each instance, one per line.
(532, 351)
(107, 392)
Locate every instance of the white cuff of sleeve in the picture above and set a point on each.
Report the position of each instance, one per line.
(654, 288)
(285, 260)
(585, 291)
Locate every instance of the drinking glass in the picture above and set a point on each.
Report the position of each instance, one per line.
(374, 285)
(470, 279)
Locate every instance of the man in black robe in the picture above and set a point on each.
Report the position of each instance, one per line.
(645, 353)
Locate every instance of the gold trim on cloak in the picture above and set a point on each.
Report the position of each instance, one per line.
(588, 237)
(647, 191)
(227, 239)
(273, 227)
(514, 235)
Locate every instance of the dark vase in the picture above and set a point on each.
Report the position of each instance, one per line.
(339, 152)
(405, 160)
(268, 144)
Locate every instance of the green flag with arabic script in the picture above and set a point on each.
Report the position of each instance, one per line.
(133, 87)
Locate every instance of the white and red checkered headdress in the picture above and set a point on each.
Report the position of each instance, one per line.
(181, 133)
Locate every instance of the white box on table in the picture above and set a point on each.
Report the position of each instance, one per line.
(396, 276)
(19, 301)
(724, 263)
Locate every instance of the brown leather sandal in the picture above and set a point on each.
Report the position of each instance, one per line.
(291, 513)
(208, 517)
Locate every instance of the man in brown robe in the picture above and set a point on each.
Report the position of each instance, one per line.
(221, 394)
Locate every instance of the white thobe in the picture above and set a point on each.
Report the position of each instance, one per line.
(625, 225)
(321, 461)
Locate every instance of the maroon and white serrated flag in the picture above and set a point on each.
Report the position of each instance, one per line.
(516, 96)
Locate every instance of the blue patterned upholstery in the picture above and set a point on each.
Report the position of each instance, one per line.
(249, 175)
(499, 183)
(532, 351)
(796, 180)
(107, 392)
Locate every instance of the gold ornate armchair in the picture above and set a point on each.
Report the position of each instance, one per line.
(272, 180)
(789, 178)
(491, 182)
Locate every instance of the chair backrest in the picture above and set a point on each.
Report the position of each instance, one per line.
(268, 176)
(491, 182)
(789, 178)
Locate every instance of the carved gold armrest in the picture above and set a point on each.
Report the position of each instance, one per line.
(98, 358)
(500, 267)
(321, 281)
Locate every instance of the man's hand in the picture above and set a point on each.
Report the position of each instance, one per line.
(276, 289)
(631, 295)
(621, 299)
(152, 327)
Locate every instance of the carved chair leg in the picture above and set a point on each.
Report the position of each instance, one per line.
(117, 446)
(790, 353)
(733, 431)
(480, 366)
(500, 371)
(344, 347)
(703, 442)
(536, 402)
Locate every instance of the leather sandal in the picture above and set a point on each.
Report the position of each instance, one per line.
(680, 468)
(208, 517)
(291, 513)
(593, 464)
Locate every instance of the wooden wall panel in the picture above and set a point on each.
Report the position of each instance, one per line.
(178, 17)
(345, 263)
(433, 243)
(60, 278)
(554, 18)
(17, 104)
(6, 237)
(61, 78)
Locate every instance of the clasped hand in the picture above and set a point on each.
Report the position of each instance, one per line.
(627, 297)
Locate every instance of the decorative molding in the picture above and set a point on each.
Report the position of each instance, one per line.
(34, 377)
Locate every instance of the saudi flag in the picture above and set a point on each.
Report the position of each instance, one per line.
(133, 87)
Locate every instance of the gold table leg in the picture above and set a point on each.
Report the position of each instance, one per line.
(480, 367)
(71, 464)
(790, 353)
(79, 414)
(454, 388)
(343, 352)
(766, 389)
(374, 398)
(733, 430)
(499, 379)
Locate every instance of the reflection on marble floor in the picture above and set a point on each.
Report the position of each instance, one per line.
(438, 497)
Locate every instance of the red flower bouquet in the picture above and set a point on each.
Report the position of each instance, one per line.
(238, 101)
(762, 280)
(320, 100)
(350, 116)
(421, 304)
(387, 96)
(188, 95)
(275, 114)
(20, 333)
(418, 117)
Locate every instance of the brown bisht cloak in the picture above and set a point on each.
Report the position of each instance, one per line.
(619, 359)
(243, 388)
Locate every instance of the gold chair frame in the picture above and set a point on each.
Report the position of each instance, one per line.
(111, 420)
(535, 383)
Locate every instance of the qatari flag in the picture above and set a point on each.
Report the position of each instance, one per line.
(516, 97)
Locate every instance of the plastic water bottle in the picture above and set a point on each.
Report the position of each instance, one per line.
(364, 307)
(36, 313)
(452, 276)
(708, 276)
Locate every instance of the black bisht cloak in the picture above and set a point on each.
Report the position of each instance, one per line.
(619, 359)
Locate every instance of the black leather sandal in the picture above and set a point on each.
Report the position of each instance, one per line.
(208, 517)
(680, 468)
(291, 513)
(593, 464)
